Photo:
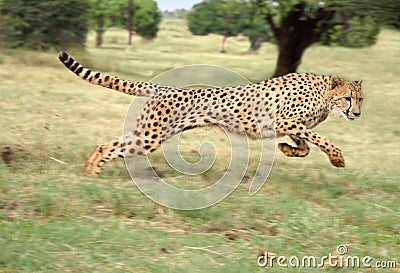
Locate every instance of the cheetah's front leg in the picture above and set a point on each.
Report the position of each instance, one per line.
(297, 131)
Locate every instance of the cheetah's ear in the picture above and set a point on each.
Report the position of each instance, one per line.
(335, 81)
(358, 82)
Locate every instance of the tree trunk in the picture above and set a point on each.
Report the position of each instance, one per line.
(298, 29)
(291, 48)
(99, 37)
(255, 43)
(223, 44)
(294, 36)
(129, 38)
(129, 25)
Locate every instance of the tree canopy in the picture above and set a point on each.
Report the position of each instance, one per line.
(101, 14)
(227, 18)
(140, 16)
(252, 25)
(146, 18)
(43, 24)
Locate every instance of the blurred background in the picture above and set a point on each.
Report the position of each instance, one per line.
(55, 219)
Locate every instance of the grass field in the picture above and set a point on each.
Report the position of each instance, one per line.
(55, 219)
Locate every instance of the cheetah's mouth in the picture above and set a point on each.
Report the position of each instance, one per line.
(347, 117)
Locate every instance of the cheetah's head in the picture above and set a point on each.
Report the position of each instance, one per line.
(345, 98)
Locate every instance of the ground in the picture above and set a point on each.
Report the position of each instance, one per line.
(55, 219)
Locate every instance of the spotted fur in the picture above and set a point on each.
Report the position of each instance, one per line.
(289, 105)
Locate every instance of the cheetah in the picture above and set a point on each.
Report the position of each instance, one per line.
(289, 105)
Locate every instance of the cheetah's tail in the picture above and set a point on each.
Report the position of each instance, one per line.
(128, 87)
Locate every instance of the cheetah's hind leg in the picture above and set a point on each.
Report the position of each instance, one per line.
(301, 149)
(102, 154)
(130, 145)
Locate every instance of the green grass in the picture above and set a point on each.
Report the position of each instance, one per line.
(55, 219)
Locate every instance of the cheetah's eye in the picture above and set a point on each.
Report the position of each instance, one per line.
(348, 99)
(360, 100)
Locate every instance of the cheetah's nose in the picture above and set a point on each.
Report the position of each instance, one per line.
(357, 114)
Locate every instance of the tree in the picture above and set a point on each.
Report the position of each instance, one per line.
(216, 16)
(358, 32)
(2, 27)
(101, 13)
(129, 22)
(252, 25)
(43, 24)
(147, 18)
(300, 25)
(139, 16)
(297, 24)
(229, 18)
